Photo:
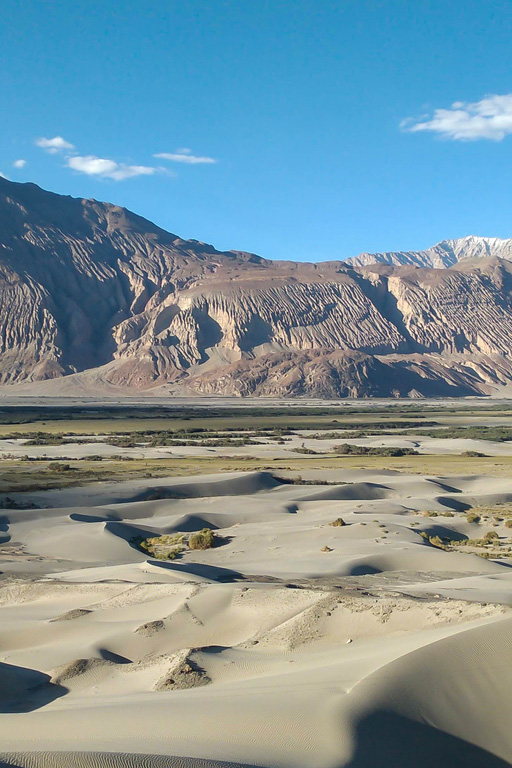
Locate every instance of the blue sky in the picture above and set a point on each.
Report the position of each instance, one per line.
(304, 129)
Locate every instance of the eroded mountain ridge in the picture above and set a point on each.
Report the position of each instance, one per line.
(92, 289)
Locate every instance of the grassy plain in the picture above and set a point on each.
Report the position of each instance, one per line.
(108, 420)
(17, 476)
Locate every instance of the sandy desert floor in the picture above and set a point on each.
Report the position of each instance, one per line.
(292, 642)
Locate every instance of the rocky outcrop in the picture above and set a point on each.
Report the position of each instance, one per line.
(88, 286)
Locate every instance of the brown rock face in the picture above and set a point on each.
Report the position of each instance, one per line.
(86, 285)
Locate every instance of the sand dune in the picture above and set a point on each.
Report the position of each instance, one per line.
(292, 642)
(106, 760)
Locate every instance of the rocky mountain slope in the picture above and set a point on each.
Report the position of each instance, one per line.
(92, 291)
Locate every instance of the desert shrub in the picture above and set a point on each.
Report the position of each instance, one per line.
(166, 547)
(326, 549)
(183, 437)
(170, 554)
(299, 480)
(58, 466)
(490, 535)
(473, 517)
(495, 434)
(437, 541)
(305, 451)
(473, 455)
(45, 438)
(356, 429)
(122, 442)
(204, 539)
(346, 449)
(508, 524)
(169, 546)
(296, 480)
(338, 522)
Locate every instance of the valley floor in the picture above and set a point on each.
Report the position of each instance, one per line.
(355, 611)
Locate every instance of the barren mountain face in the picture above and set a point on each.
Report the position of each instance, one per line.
(90, 287)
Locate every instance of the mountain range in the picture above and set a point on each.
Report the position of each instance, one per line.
(97, 297)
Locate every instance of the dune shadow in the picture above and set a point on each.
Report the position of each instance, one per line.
(130, 534)
(24, 690)
(363, 491)
(4, 528)
(210, 572)
(363, 570)
(214, 649)
(245, 485)
(115, 658)
(444, 486)
(389, 740)
(158, 494)
(79, 517)
(190, 524)
(458, 506)
(438, 529)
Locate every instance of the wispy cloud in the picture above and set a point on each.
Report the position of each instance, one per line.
(185, 156)
(489, 118)
(107, 169)
(19, 163)
(57, 144)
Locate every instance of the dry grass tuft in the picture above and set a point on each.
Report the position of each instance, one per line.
(338, 522)
(204, 539)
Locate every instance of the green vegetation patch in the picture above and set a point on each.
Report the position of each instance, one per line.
(495, 434)
(346, 449)
(204, 539)
(489, 544)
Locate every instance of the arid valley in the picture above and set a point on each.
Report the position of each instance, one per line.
(197, 585)
(255, 384)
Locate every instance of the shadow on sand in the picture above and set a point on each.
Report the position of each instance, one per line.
(24, 690)
(388, 740)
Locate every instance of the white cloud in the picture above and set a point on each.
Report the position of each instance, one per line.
(57, 144)
(185, 156)
(92, 165)
(3, 176)
(107, 169)
(490, 118)
(19, 164)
